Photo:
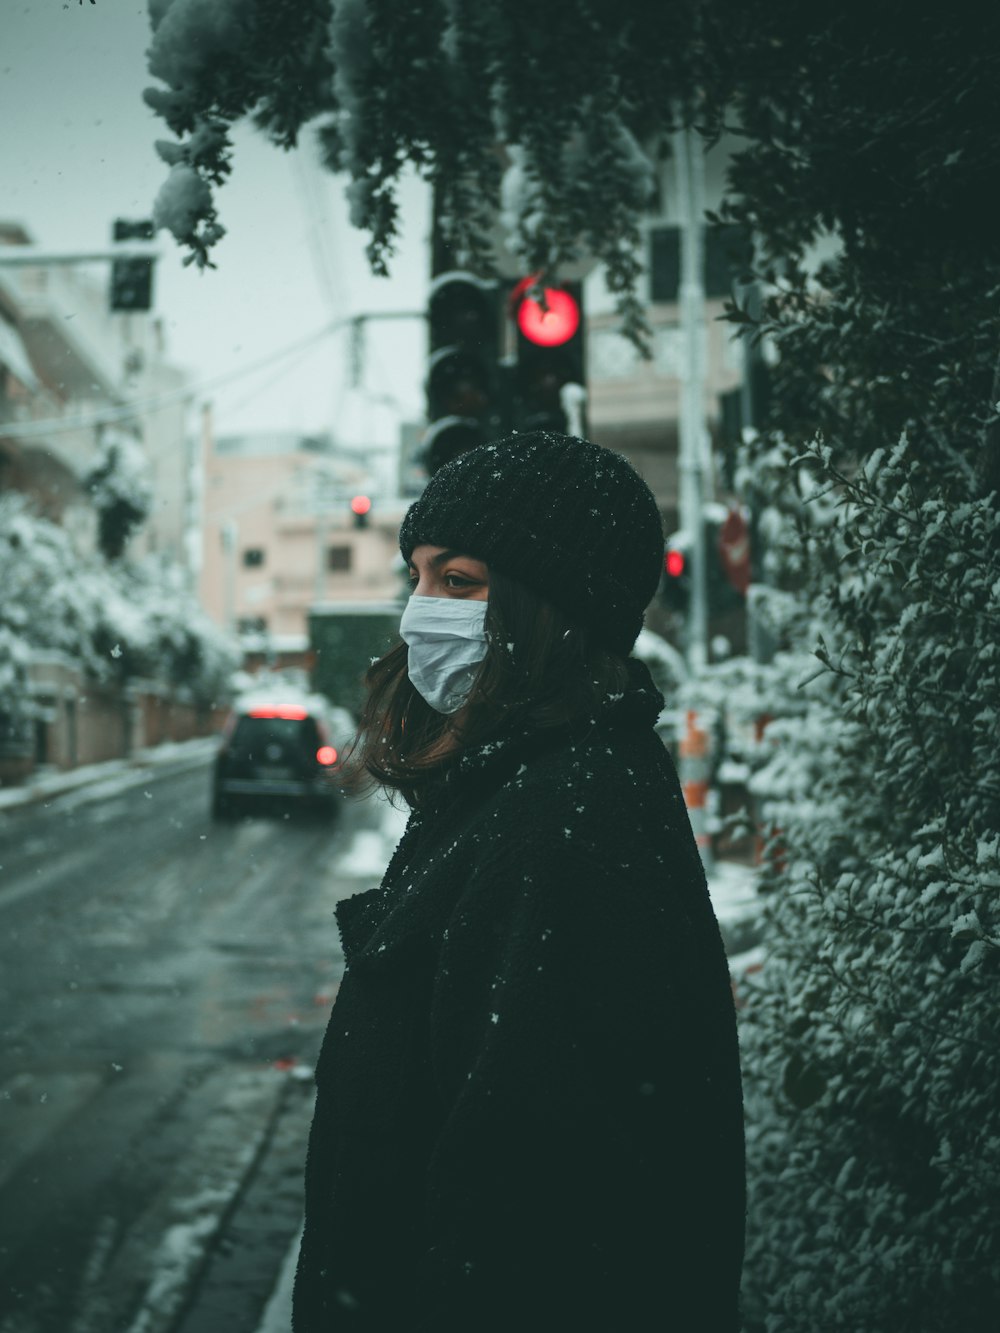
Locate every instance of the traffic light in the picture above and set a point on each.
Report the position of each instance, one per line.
(448, 437)
(676, 588)
(361, 507)
(727, 563)
(464, 400)
(132, 279)
(550, 355)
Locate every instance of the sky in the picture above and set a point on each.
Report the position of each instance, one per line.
(77, 151)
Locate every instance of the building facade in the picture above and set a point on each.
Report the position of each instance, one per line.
(279, 535)
(71, 372)
(77, 380)
(634, 403)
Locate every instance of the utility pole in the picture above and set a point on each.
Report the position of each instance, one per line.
(694, 463)
(230, 542)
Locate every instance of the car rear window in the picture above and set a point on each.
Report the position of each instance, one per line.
(253, 732)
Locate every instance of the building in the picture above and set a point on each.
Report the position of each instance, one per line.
(71, 370)
(76, 377)
(279, 534)
(635, 404)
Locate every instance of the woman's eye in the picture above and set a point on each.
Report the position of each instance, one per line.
(456, 581)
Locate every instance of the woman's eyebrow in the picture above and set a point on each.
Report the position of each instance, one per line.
(445, 556)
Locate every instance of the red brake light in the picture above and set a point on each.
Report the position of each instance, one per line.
(326, 754)
(293, 712)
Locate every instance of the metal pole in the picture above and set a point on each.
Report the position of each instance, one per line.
(319, 594)
(35, 256)
(693, 434)
(230, 541)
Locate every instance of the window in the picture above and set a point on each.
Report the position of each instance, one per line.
(253, 557)
(338, 559)
(664, 263)
(251, 625)
(728, 254)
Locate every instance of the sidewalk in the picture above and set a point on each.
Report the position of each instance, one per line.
(277, 1316)
(95, 782)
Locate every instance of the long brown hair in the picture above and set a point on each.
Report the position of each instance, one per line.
(540, 671)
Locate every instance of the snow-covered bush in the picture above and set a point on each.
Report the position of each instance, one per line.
(117, 621)
(872, 1040)
(180, 644)
(119, 487)
(39, 607)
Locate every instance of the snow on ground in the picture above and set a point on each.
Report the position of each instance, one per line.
(93, 782)
(370, 850)
(733, 890)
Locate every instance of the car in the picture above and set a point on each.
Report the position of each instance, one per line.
(275, 752)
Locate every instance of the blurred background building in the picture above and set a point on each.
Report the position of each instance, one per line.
(71, 371)
(634, 403)
(287, 521)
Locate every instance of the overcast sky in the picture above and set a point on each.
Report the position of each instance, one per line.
(76, 151)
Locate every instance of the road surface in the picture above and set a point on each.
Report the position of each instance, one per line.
(164, 986)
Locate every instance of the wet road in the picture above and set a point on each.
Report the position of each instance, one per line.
(164, 985)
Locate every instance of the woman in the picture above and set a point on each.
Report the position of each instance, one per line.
(529, 1115)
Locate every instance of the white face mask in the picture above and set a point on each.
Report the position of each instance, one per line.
(447, 641)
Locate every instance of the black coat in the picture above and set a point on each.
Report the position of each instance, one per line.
(529, 1115)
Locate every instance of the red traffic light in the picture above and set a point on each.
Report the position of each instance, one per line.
(673, 563)
(361, 504)
(549, 327)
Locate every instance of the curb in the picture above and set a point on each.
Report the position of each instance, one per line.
(93, 782)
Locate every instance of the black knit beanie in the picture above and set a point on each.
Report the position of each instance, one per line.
(570, 520)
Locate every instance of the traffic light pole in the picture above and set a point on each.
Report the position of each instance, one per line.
(34, 256)
(694, 440)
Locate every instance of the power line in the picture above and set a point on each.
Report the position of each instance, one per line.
(293, 363)
(25, 430)
(312, 203)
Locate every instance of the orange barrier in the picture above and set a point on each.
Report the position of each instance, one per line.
(693, 752)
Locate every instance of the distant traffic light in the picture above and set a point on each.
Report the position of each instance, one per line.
(550, 353)
(727, 563)
(463, 376)
(132, 279)
(361, 507)
(676, 588)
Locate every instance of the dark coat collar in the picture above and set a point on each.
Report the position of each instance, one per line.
(483, 769)
(489, 765)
